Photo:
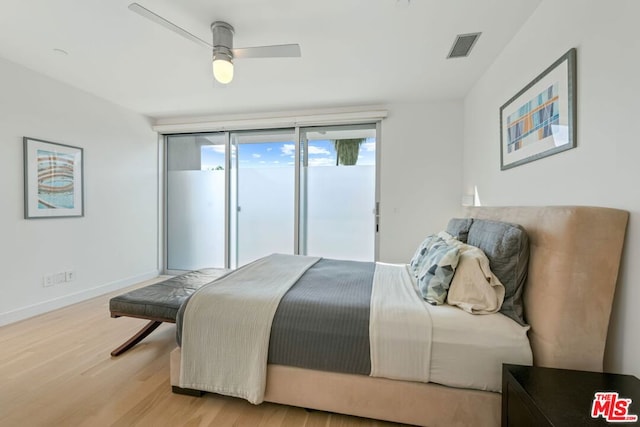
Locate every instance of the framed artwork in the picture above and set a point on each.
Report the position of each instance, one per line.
(53, 180)
(540, 120)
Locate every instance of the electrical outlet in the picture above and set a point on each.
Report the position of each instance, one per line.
(55, 279)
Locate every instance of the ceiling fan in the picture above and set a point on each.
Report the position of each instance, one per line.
(223, 51)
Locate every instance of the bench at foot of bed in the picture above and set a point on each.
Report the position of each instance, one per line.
(159, 302)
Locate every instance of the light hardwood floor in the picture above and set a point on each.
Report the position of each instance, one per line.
(55, 370)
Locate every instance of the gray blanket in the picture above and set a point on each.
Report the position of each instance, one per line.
(322, 322)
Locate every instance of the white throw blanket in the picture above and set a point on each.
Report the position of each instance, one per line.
(399, 326)
(226, 327)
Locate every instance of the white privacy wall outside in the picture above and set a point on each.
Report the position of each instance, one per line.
(195, 213)
(340, 218)
(266, 212)
(340, 212)
(603, 169)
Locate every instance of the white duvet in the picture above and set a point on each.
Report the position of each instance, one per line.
(400, 331)
(465, 350)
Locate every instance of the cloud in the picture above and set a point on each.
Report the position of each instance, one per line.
(256, 155)
(369, 146)
(269, 148)
(288, 149)
(318, 150)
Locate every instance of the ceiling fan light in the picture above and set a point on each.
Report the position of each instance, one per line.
(222, 70)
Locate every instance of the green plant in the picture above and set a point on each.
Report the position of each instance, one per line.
(347, 150)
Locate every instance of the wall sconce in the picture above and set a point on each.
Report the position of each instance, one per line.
(472, 199)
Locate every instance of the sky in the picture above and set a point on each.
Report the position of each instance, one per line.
(282, 154)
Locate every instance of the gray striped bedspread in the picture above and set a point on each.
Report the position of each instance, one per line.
(322, 322)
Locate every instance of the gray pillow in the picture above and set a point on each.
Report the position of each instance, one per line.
(459, 228)
(507, 247)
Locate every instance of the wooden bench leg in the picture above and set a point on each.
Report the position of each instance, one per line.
(142, 334)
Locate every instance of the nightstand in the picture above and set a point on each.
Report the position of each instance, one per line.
(533, 396)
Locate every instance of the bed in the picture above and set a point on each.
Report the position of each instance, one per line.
(571, 276)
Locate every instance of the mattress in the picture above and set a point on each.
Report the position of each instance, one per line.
(468, 350)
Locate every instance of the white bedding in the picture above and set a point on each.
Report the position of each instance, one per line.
(467, 350)
(398, 320)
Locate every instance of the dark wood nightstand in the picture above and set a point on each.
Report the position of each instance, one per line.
(533, 396)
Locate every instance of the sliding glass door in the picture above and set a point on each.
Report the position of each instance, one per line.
(338, 192)
(195, 200)
(233, 197)
(263, 207)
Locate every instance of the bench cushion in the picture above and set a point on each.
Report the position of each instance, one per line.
(162, 300)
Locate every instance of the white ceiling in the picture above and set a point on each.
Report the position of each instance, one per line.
(354, 52)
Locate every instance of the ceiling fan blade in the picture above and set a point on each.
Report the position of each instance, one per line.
(142, 11)
(275, 51)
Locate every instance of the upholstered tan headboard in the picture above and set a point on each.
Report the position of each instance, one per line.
(573, 269)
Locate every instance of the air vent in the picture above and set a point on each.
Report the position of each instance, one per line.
(463, 44)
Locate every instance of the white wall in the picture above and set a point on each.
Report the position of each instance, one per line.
(420, 174)
(115, 243)
(603, 170)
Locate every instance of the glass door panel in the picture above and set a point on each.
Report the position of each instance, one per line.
(264, 199)
(195, 201)
(338, 192)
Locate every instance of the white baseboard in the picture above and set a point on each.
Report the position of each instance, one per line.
(53, 304)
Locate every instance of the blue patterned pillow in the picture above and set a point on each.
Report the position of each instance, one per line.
(436, 271)
(418, 258)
